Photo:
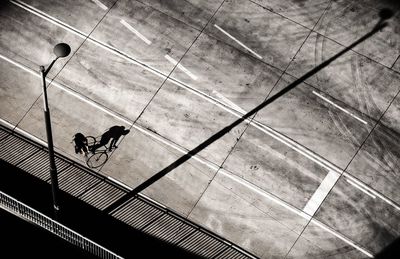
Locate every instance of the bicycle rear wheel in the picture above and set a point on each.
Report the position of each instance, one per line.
(96, 160)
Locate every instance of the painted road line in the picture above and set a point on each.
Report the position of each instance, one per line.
(320, 194)
(268, 130)
(22, 132)
(141, 36)
(70, 91)
(360, 188)
(295, 210)
(341, 237)
(260, 191)
(271, 132)
(83, 35)
(375, 193)
(46, 17)
(237, 41)
(119, 183)
(175, 146)
(100, 4)
(187, 72)
(340, 108)
(229, 102)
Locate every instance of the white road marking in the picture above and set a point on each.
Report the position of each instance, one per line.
(119, 183)
(375, 193)
(340, 108)
(100, 4)
(175, 146)
(360, 188)
(295, 210)
(69, 91)
(229, 102)
(237, 41)
(187, 72)
(141, 36)
(45, 16)
(280, 137)
(322, 191)
(341, 237)
(258, 190)
(22, 132)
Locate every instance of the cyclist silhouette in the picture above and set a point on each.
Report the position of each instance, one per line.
(114, 133)
(80, 143)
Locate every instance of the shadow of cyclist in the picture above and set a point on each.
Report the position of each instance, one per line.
(114, 133)
(80, 143)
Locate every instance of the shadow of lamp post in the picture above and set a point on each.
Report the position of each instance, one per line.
(61, 50)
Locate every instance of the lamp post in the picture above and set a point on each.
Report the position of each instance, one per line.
(60, 50)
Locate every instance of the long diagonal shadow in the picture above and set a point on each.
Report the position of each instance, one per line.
(384, 15)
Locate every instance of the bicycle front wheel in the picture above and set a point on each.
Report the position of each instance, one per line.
(96, 160)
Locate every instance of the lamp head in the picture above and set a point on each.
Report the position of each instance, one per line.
(62, 50)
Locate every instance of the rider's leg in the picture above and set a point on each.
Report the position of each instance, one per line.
(114, 142)
(85, 150)
(103, 141)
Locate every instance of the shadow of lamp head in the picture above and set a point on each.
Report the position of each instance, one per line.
(385, 14)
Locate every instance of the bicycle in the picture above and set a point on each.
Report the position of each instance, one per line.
(99, 157)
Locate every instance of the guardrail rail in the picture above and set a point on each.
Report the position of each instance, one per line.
(23, 211)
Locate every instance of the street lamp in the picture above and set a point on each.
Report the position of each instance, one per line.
(61, 50)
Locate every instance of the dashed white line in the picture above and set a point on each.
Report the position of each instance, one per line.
(229, 102)
(174, 62)
(141, 36)
(237, 41)
(100, 4)
(322, 191)
(340, 108)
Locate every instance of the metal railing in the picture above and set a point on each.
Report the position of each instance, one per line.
(25, 212)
